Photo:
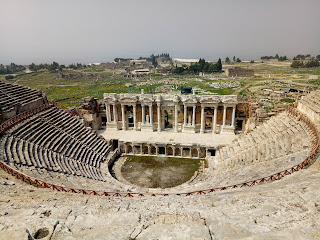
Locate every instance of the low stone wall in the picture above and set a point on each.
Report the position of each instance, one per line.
(113, 156)
(165, 149)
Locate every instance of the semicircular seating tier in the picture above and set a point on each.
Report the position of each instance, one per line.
(310, 105)
(56, 147)
(15, 99)
(280, 143)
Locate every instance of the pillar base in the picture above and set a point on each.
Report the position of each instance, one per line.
(113, 125)
(189, 129)
(228, 130)
(147, 128)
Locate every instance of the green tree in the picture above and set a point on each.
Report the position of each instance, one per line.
(32, 67)
(219, 65)
(312, 63)
(154, 60)
(227, 60)
(282, 58)
(295, 64)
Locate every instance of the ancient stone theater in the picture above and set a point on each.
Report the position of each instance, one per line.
(48, 147)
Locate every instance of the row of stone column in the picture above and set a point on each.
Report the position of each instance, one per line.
(193, 115)
(144, 120)
(202, 126)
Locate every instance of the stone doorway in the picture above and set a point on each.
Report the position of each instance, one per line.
(168, 119)
(162, 150)
(212, 152)
(208, 123)
(129, 114)
(239, 125)
(170, 151)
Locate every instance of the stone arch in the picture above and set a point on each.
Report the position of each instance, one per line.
(129, 148)
(194, 152)
(185, 152)
(177, 152)
(202, 153)
(145, 149)
(153, 150)
(170, 151)
(137, 149)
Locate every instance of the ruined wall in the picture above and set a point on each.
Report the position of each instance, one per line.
(239, 72)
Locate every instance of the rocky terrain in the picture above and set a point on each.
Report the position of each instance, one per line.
(285, 209)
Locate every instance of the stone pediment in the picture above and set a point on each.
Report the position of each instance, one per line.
(189, 99)
(211, 99)
(146, 98)
(128, 98)
(230, 99)
(110, 97)
(169, 97)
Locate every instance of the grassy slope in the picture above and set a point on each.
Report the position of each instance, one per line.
(70, 92)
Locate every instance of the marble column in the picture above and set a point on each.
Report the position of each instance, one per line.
(123, 117)
(233, 115)
(215, 119)
(224, 115)
(134, 117)
(115, 113)
(149, 149)
(185, 115)
(194, 116)
(107, 114)
(151, 114)
(143, 113)
(159, 118)
(202, 120)
(176, 117)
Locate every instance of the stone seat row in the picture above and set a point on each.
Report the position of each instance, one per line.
(12, 91)
(276, 128)
(9, 103)
(275, 138)
(312, 101)
(53, 139)
(24, 97)
(10, 88)
(21, 152)
(16, 93)
(72, 126)
(87, 148)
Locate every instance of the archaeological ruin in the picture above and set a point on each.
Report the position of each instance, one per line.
(47, 147)
(239, 72)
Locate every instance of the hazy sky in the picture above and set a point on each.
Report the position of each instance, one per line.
(69, 31)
